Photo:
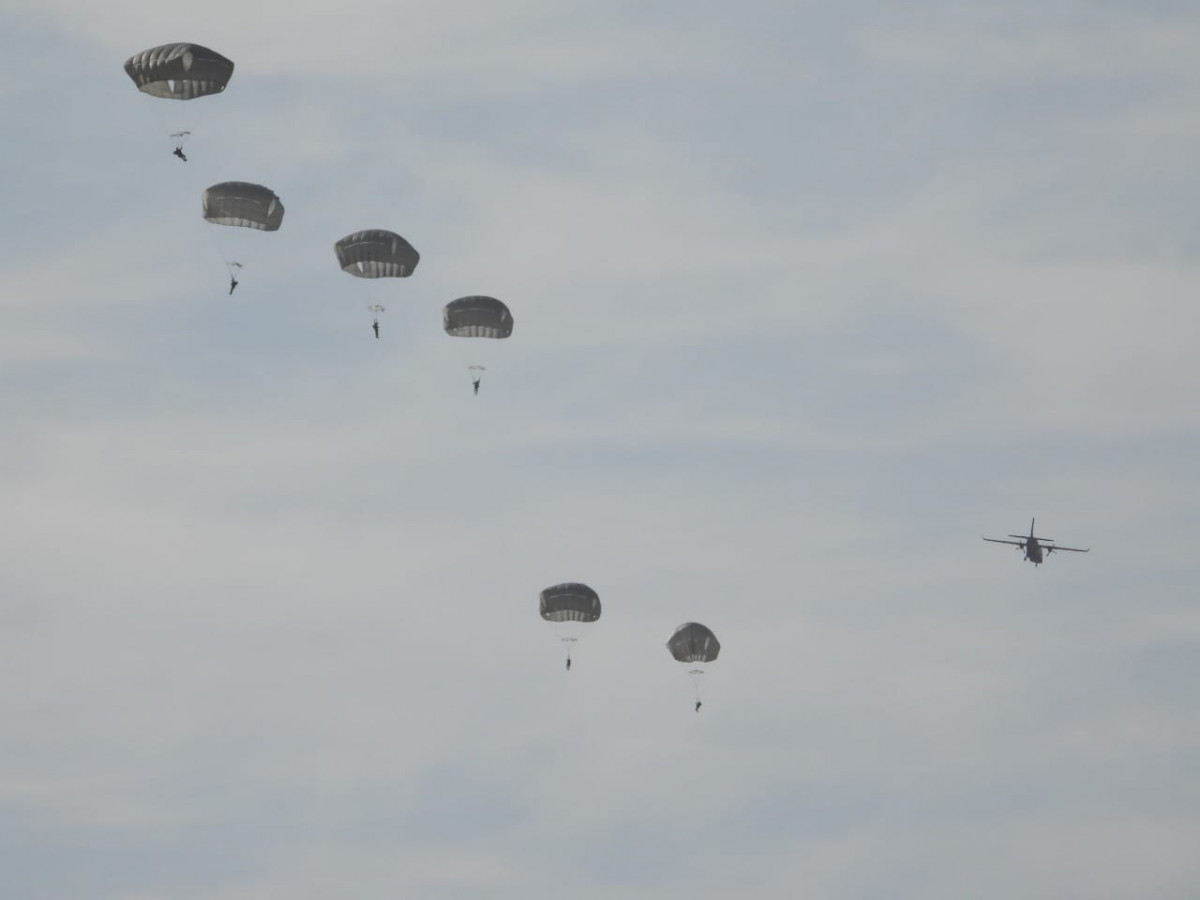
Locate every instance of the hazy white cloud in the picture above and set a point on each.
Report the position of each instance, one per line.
(807, 300)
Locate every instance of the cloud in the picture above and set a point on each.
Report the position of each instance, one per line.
(806, 301)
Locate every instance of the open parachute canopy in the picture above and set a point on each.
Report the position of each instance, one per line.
(567, 606)
(476, 316)
(243, 205)
(694, 643)
(179, 71)
(569, 602)
(376, 253)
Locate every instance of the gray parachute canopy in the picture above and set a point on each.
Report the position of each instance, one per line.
(376, 253)
(179, 71)
(244, 205)
(570, 602)
(693, 643)
(476, 316)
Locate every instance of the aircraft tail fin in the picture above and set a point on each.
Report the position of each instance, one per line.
(1028, 537)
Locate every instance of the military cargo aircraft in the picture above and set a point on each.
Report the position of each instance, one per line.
(1034, 547)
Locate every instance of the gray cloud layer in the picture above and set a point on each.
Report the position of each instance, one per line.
(806, 301)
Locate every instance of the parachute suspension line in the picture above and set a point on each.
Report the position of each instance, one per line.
(567, 642)
(232, 266)
(170, 122)
(695, 676)
(181, 129)
(162, 122)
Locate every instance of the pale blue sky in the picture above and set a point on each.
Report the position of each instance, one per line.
(806, 302)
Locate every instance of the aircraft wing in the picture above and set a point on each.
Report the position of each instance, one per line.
(1072, 549)
(999, 541)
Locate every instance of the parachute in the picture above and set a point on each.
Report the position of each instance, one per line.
(179, 72)
(567, 606)
(694, 644)
(240, 204)
(477, 317)
(375, 253)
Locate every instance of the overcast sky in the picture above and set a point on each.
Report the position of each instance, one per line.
(808, 297)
